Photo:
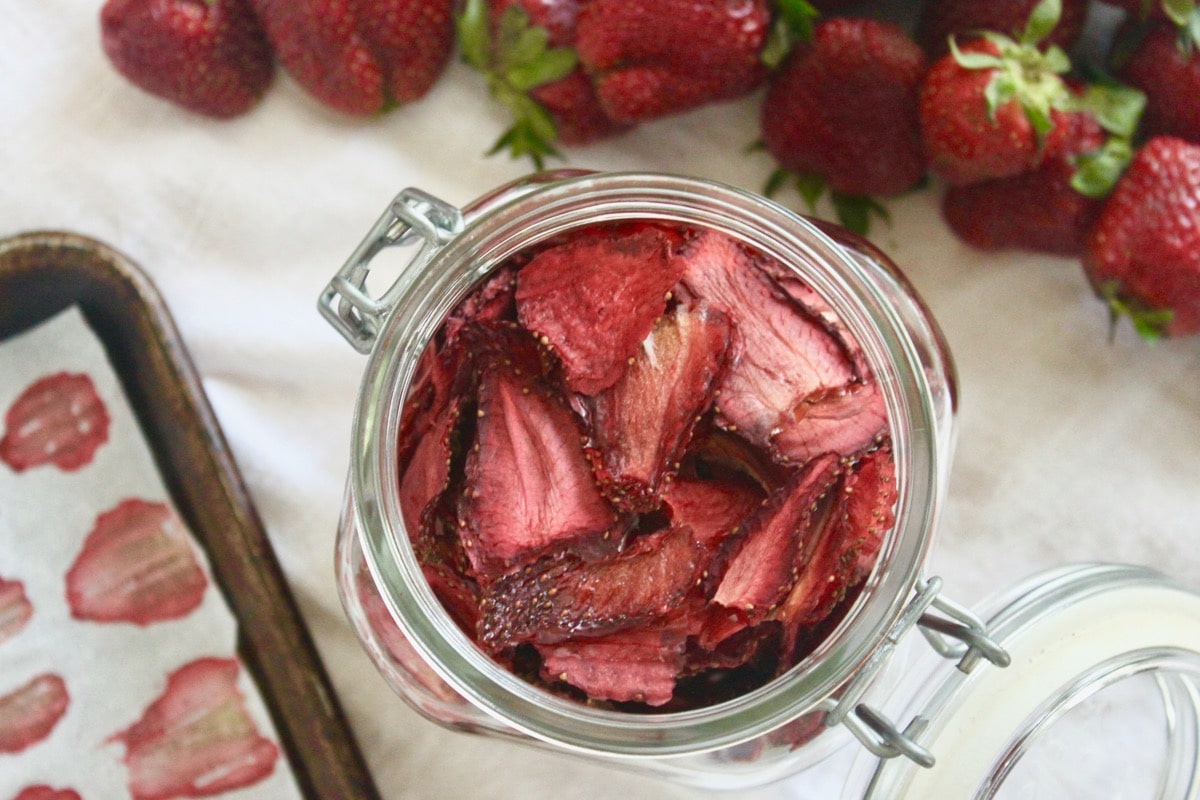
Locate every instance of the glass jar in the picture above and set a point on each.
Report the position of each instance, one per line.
(774, 731)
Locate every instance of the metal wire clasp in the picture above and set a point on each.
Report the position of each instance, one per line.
(413, 217)
(953, 632)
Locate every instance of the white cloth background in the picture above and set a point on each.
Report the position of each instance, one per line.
(1070, 448)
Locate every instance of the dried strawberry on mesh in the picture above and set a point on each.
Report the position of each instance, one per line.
(563, 597)
(529, 487)
(641, 425)
(594, 298)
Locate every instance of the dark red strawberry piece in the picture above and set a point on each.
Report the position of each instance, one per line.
(44, 792)
(844, 546)
(566, 597)
(29, 713)
(197, 738)
(492, 301)
(845, 420)
(637, 665)
(15, 608)
(427, 473)
(781, 356)
(595, 298)
(728, 458)
(712, 510)
(459, 594)
(529, 487)
(767, 556)
(59, 420)
(643, 423)
(653, 59)
(138, 565)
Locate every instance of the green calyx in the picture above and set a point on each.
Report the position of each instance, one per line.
(854, 212)
(1186, 16)
(1150, 323)
(515, 60)
(794, 23)
(1022, 71)
(1118, 109)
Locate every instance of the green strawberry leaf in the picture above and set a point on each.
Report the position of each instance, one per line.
(1097, 172)
(975, 60)
(854, 212)
(794, 23)
(810, 187)
(547, 67)
(473, 35)
(1117, 108)
(776, 181)
(1179, 11)
(1150, 323)
(1042, 20)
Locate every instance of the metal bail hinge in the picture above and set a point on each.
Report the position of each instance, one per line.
(413, 217)
(953, 632)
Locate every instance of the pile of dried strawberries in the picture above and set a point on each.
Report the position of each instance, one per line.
(645, 465)
(1040, 143)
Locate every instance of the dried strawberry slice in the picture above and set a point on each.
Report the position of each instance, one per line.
(765, 562)
(637, 665)
(846, 546)
(138, 565)
(15, 608)
(783, 355)
(29, 713)
(713, 510)
(529, 486)
(566, 597)
(427, 473)
(641, 426)
(44, 792)
(595, 298)
(846, 420)
(197, 738)
(491, 301)
(60, 419)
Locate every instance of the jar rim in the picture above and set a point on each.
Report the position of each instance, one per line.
(534, 210)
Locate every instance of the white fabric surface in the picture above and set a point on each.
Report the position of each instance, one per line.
(1070, 448)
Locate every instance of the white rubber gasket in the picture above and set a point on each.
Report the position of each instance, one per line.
(976, 719)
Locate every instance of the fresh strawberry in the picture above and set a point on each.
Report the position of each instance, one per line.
(649, 60)
(208, 56)
(941, 19)
(361, 58)
(1039, 210)
(595, 298)
(841, 113)
(529, 486)
(1143, 253)
(989, 108)
(524, 49)
(642, 425)
(1164, 62)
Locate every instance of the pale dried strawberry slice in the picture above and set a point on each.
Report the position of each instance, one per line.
(15, 608)
(197, 738)
(44, 792)
(846, 546)
(641, 426)
(567, 597)
(60, 419)
(768, 555)
(29, 713)
(846, 420)
(783, 355)
(137, 565)
(595, 298)
(712, 509)
(636, 665)
(529, 487)
(427, 473)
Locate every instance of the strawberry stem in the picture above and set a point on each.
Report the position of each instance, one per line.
(1150, 323)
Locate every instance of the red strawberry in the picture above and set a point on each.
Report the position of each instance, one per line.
(941, 19)
(208, 56)
(1143, 253)
(842, 112)
(989, 108)
(524, 48)
(595, 298)
(1038, 210)
(641, 426)
(653, 59)
(1165, 64)
(361, 58)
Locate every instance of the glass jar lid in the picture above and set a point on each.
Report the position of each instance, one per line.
(1103, 695)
